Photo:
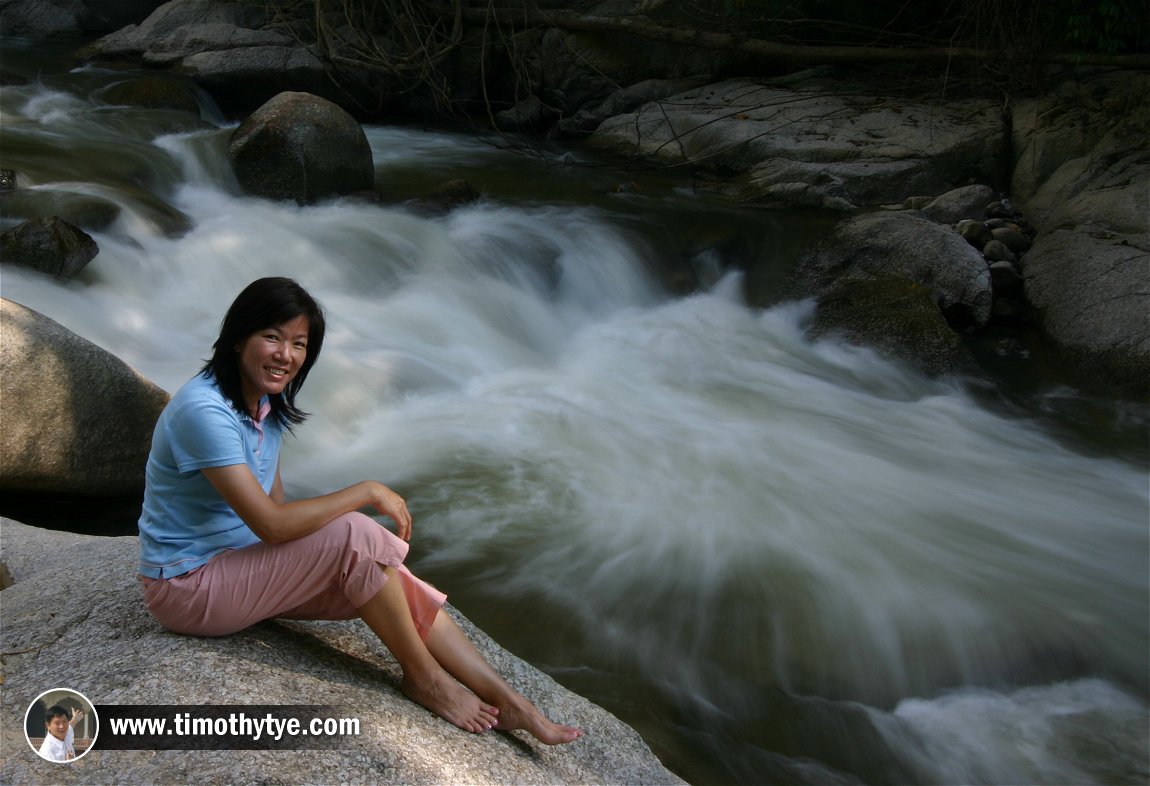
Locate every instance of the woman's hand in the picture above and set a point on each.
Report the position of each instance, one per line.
(391, 505)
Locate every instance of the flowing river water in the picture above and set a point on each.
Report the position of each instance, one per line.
(780, 560)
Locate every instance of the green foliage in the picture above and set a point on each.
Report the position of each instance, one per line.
(1105, 26)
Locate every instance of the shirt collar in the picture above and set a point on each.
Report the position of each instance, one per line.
(264, 409)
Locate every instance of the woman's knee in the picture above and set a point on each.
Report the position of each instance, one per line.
(366, 535)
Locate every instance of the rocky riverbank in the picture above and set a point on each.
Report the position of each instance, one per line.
(74, 617)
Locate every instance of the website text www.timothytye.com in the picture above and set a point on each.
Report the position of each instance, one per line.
(223, 727)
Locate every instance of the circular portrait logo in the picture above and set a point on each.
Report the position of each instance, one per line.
(61, 725)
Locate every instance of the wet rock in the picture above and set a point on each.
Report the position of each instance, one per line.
(1001, 209)
(7, 179)
(301, 147)
(1005, 279)
(153, 93)
(447, 197)
(77, 420)
(50, 245)
(1012, 238)
(997, 251)
(897, 316)
(974, 232)
(85, 211)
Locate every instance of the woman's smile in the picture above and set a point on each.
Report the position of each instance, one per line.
(270, 358)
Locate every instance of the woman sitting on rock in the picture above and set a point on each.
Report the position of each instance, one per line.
(222, 549)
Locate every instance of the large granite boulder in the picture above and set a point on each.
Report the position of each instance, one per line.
(1081, 153)
(1081, 176)
(805, 140)
(302, 147)
(223, 46)
(74, 618)
(77, 420)
(1089, 288)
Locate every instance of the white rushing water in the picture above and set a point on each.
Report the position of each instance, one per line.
(693, 484)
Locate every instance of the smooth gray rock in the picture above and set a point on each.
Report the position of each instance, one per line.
(1082, 173)
(1082, 155)
(223, 46)
(77, 420)
(813, 142)
(75, 618)
(1091, 289)
(302, 147)
(244, 77)
(968, 202)
(182, 27)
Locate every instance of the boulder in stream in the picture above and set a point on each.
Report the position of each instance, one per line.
(901, 283)
(303, 147)
(50, 245)
(896, 316)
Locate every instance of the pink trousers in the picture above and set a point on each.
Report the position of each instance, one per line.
(327, 575)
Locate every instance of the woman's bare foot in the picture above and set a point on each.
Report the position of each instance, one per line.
(526, 716)
(452, 702)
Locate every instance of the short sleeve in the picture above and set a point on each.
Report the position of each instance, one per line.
(205, 432)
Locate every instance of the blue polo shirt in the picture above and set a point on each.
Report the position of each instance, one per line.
(185, 522)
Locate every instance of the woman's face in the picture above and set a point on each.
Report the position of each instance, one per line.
(270, 358)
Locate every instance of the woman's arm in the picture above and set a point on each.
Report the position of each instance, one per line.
(279, 521)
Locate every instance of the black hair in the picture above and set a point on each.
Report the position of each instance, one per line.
(55, 711)
(265, 303)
